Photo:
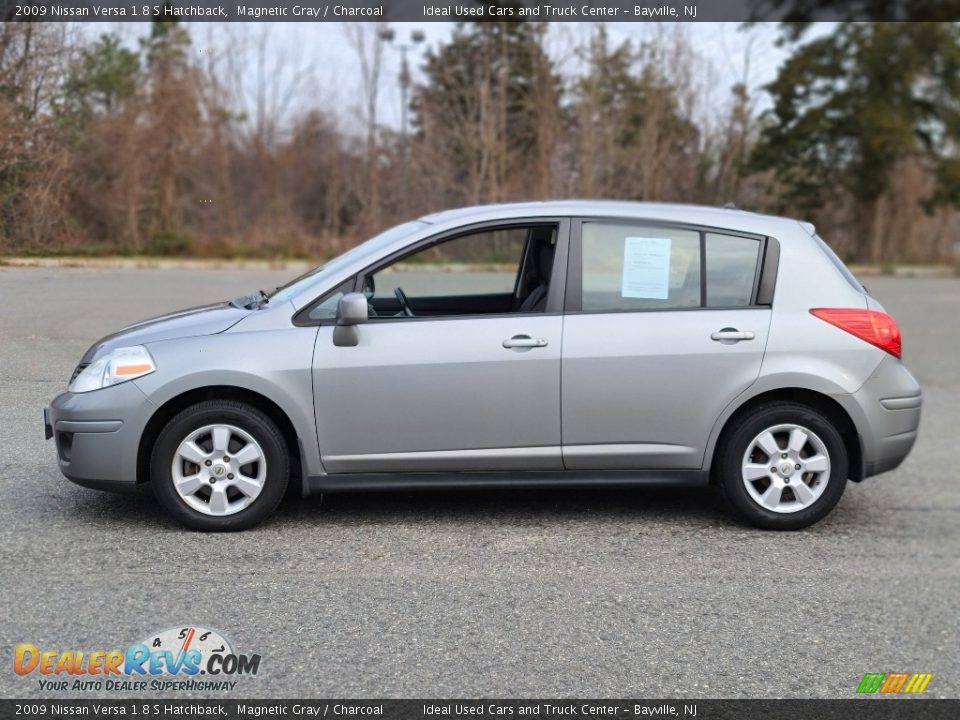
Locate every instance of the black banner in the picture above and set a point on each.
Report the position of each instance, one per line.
(872, 709)
(479, 10)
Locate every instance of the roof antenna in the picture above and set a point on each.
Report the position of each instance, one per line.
(730, 206)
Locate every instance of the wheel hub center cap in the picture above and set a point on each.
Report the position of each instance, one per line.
(219, 470)
(786, 468)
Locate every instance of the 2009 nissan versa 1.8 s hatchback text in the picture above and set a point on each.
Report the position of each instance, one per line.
(563, 343)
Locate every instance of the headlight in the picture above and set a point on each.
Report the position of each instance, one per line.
(118, 366)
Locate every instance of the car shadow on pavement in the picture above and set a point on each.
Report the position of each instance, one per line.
(696, 506)
(687, 505)
(685, 509)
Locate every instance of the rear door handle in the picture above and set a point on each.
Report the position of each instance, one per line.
(731, 335)
(524, 342)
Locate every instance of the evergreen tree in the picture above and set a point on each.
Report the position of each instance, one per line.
(850, 106)
(105, 75)
(633, 139)
(479, 103)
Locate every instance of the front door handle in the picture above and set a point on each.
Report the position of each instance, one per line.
(524, 342)
(729, 335)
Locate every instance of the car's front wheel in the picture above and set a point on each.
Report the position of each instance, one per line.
(783, 467)
(220, 465)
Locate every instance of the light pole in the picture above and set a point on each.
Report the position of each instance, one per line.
(416, 37)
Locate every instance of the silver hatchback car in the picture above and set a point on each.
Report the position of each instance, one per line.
(538, 344)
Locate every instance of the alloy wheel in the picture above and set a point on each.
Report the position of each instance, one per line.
(219, 469)
(786, 468)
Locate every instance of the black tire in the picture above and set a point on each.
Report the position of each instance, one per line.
(734, 445)
(211, 412)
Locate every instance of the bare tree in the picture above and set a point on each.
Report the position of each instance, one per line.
(366, 41)
(34, 160)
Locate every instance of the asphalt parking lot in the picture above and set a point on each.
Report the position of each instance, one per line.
(619, 593)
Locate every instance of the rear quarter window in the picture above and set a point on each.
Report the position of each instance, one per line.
(844, 270)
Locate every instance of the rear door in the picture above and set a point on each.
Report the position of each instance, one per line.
(662, 331)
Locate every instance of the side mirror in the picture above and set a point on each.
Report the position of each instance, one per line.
(351, 311)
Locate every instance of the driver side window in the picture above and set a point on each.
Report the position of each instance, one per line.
(493, 271)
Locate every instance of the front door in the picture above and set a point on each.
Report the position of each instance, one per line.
(662, 333)
(459, 371)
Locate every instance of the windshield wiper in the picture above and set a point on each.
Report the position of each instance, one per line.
(251, 302)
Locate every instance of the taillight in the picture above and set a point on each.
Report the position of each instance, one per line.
(876, 327)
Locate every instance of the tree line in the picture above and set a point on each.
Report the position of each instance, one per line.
(108, 148)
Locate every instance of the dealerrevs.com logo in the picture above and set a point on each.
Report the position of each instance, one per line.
(189, 658)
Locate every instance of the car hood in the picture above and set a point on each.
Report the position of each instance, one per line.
(206, 320)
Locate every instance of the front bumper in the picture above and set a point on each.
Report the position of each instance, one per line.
(97, 435)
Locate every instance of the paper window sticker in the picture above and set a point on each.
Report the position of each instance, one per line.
(646, 268)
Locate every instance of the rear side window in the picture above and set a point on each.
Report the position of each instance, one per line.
(637, 266)
(731, 269)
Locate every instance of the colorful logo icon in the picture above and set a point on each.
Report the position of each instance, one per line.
(894, 683)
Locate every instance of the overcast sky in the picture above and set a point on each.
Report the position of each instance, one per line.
(324, 62)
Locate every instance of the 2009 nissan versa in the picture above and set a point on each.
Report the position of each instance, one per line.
(555, 343)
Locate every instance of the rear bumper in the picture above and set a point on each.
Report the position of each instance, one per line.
(97, 435)
(886, 411)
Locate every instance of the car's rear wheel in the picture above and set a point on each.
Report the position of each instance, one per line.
(783, 467)
(220, 465)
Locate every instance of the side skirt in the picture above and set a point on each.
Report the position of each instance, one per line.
(502, 480)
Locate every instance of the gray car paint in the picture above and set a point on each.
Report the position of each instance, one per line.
(205, 320)
(102, 452)
(642, 390)
(254, 355)
(445, 395)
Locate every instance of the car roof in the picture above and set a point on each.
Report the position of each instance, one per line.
(666, 212)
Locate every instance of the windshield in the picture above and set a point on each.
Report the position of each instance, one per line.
(371, 246)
